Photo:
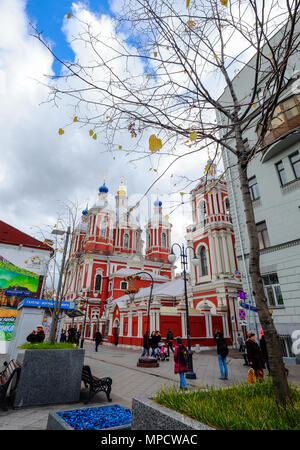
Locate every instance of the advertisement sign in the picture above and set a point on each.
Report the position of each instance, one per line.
(7, 323)
(15, 285)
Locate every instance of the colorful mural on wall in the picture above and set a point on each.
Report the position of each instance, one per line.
(15, 284)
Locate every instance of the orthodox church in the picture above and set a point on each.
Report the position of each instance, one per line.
(107, 248)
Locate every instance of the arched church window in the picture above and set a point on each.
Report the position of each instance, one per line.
(203, 260)
(149, 240)
(126, 241)
(163, 240)
(98, 280)
(124, 285)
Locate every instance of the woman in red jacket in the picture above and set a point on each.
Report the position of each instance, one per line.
(180, 359)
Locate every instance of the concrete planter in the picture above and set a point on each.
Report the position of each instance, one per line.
(49, 377)
(56, 422)
(148, 415)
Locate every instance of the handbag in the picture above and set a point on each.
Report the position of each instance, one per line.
(251, 376)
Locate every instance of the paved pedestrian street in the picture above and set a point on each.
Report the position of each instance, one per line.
(131, 381)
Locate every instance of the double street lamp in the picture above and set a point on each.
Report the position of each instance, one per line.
(190, 374)
(144, 361)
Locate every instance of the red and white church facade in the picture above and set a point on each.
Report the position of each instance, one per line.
(107, 247)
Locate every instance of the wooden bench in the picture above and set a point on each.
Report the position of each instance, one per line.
(96, 384)
(9, 378)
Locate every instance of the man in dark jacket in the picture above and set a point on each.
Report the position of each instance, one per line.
(98, 339)
(222, 351)
(255, 356)
(170, 338)
(32, 337)
(40, 333)
(146, 343)
(263, 347)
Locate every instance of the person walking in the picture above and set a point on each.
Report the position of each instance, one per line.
(256, 359)
(170, 338)
(240, 341)
(63, 336)
(146, 343)
(181, 362)
(222, 351)
(263, 347)
(98, 339)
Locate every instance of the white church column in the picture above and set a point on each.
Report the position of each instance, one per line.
(217, 253)
(140, 324)
(121, 324)
(130, 324)
(230, 251)
(225, 252)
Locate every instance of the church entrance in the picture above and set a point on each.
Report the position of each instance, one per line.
(115, 331)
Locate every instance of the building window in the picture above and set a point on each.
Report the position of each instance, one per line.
(203, 259)
(272, 289)
(263, 236)
(98, 280)
(110, 286)
(163, 240)
(149, 240)
(281, 173)
(253, 187)
(295, 162)
(126, 241)
(124, 285)
(103, 227)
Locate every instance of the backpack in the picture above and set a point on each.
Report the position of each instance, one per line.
(183, 355)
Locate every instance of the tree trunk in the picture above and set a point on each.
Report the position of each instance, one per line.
(277, 368)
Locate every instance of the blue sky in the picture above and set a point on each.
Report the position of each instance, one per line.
(47, 16)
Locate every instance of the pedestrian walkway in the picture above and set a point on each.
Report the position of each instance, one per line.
(131, 381)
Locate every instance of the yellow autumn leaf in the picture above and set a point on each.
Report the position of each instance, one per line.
(95, 136)
(168, 48)
(181, 193)
(75, 119)
(191, 23)
(187, 3)
(167, 217)
(270, 54)
(254, 105)
(91, 132)
(206, 169)
(210, 193)
(224, 2)
(120, 147)
(69, 16)
(60, 131)
(154, 143)
(107, 117)
(155, 54)
(131, 209)
(154, 170)
(193, 136)
(26, 262)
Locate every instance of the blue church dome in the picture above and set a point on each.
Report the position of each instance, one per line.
(157, 203)
(85, 211)
(103, 188)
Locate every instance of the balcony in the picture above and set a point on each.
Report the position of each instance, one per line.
(286, 117)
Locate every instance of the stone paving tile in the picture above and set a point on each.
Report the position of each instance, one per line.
(130, 381)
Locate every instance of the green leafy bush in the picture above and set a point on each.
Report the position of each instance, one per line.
(238, 407)
(48, 346)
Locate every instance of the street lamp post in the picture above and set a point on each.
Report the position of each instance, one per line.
(172, 258)
(145, 361)
(84, 321)
(56, 308)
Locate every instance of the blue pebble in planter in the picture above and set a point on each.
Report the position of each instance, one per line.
(97, 418)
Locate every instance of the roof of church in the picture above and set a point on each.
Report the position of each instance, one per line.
(126, 272)
(173, 288)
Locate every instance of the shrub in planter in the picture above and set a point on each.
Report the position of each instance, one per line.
(238, 407)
